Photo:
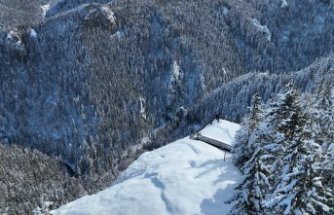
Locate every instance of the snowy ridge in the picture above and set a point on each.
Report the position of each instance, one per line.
(184, 177)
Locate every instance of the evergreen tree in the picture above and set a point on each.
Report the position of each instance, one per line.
(325, 108)
(287, 116)
(250, 193)
(328, 178)
(282, 120)
(300, 189)
(282, 155)
(242, 151)
(256, 113)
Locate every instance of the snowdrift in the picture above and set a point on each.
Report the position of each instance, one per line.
(184, 177)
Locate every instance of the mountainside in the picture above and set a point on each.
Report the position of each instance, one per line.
(30, 179)
(95, 83)
(232, 99)
(94, 75)
(184, 177)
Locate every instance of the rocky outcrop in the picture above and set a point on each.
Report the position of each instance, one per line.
(101, 16)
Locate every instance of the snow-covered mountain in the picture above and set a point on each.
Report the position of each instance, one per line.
(75, 81)
(184, 177)
(94, 83)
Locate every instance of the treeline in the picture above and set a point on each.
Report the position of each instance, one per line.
(232, 99)
(285, 149)
(31, 181)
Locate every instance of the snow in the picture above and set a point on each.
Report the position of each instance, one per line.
(45, 9)
(142, 103)
(223, 131)
(183, 177)
(11, 35)
(176, 71)
(262, 28)
(109, 14)
(284, 4)
(33, 33)
(225, 10)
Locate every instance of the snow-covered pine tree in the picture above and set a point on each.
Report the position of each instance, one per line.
(241, 150)
(256, 113)
(300, 189)
(325, 107)
(288, 117)
(327, 166)
(280, 112)
(250, 193)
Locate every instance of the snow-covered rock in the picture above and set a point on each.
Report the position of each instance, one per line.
(184, 177)
(262, 28)
(32, 33)
(45, 9)
(101, 15)
(284, 4)
(15, 45)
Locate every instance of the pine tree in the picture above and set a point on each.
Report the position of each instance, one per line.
(250, 193)
(327, 166)
(325, 107)
(256, 113)
(286, 117)
(282, 159)
(300, 189)
(242, 152)
(281, 122)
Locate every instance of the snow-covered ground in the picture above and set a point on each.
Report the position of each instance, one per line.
(184, 177)
(223, 131)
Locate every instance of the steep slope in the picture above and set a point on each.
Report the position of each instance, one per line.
(90, 81)
(18, 13)
(29, 179)
(233, 98)
(184, 177)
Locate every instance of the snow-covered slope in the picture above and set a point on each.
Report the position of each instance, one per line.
(184, 177)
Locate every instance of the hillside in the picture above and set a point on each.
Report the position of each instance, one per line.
(88, 77)
(93, 84)
(184, 177)
(30, 179)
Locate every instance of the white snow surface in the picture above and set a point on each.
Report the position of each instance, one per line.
(284, 4)
(262, 28)
(33, 32)
(183, 177)
(223, 131)
(45, 9)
